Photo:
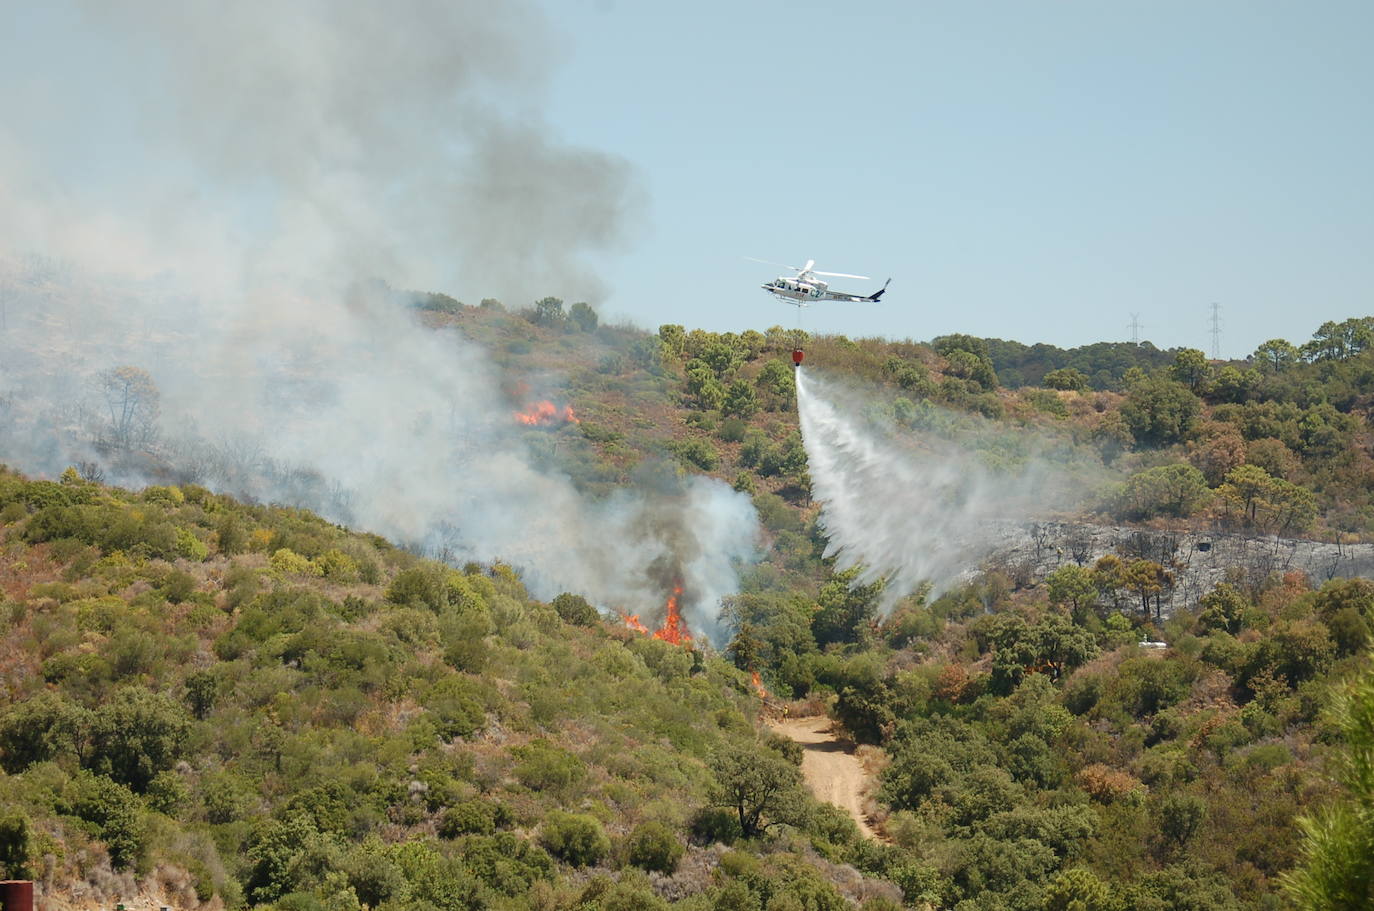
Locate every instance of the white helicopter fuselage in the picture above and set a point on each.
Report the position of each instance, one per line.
(806, 286)
(802, 290)
(797, 291)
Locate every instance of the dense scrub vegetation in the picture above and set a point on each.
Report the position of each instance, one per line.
(252, 704)
(296, 716)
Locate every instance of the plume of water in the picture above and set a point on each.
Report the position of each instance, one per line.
(912, 510)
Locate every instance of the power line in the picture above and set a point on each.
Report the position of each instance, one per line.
(1134, 326)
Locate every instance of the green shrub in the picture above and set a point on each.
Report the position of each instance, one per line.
(112, 812)
(652, 846)
(16, 846)
(137, 734)
(506, 862)
(191, 547)
(454, 705)
(472, 817)
(695, 453)
(574, 838)
(168, 496)
(545, 767)
(576, 610)
(337, 566)
(286, 560)
(425, 586)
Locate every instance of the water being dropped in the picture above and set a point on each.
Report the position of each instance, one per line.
(907, 507)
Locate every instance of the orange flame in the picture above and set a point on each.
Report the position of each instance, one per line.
(758, 684)
(542, 414)
(674, 629)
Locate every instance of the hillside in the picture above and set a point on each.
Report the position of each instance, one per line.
(251, 705)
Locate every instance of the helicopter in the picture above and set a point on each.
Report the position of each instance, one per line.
(801, 289)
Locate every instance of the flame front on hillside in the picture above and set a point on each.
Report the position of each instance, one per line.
(674, 628)
(544, 414)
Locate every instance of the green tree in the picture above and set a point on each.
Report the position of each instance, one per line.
(1233, 385)
(1072, 585)
(740, 400)
(1245, 490)
(1171, 490)
(423, 586)
(704, 387)
(548, 311)
(1147, 579)
(583, 316)
(1078, 889)
(1180, 816)
(574, 838)
(744, 648)
(1053, 644)
(44, 727)
(968, 366)
(760, 787)
(1069, 378)
(137, 734)
(1276, 355)
(1160, 411)
(1190, 367)
(652, 846)
(16, 846)
(576, 610)
(673, 338)
(274, 850)
(846, 608)
(112, 810)
(1336, 869)
(201, 689)
(777, 385)
(1223, 608)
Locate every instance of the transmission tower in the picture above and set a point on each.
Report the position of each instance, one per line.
(1216, 332)
(1134, 326)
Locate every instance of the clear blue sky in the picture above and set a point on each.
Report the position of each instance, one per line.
(1036, 170)
(1027, 170)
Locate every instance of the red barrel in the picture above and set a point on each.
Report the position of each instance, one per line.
(797, 356)
(16, 895)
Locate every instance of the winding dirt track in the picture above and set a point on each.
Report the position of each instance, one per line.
(830, 768)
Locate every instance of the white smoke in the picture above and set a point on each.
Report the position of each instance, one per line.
(293, 152)
(913, 509)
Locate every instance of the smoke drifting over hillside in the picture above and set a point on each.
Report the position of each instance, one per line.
(910, 514)
(284, 156)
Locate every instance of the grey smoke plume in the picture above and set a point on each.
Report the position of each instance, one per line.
(920, 509)
(289, 153)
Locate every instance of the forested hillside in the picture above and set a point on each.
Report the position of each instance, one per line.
(251, 706)
(244, 705)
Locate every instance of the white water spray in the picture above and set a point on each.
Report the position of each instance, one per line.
(906, 514)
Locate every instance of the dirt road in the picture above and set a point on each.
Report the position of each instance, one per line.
(830, 768)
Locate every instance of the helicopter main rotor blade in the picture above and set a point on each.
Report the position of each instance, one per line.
(842, 275)
(769, 262)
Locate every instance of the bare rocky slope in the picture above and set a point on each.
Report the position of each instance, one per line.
(1196, 560)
